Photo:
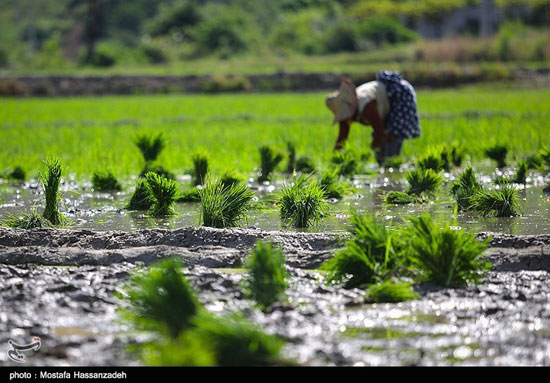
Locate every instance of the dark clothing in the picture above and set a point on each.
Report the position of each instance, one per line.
(402, 120)
(389, 149)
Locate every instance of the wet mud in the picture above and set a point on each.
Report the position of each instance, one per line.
(60, 285)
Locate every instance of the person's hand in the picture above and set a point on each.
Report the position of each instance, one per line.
(339, 146)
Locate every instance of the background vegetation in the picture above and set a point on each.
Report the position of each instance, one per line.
(62, 35)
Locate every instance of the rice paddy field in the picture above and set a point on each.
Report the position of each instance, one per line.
(457, 275)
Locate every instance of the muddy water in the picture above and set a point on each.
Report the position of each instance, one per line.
(105, 211)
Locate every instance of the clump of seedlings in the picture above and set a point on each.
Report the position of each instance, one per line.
(302, 204)
(30, 220)
(465, 186)
(51, 181)
(445, 257)
(423, 181)
(520, 176)
(305, 165)
(452, 155)
(105, 181)
(157, 169)
(269, 160)
(229, 180)
(501, 202)
(345, 162)
(224, 206)
(161, 300)
(291, 162)
(150, 146)
(141, 198)
(200, 168)
(497, 153)
(433, 159)
(163, 192)
(390, 291)
(332, 186)
(398, 198)
(266, 282)
(18, 174)
(534, 161)
(374, 253)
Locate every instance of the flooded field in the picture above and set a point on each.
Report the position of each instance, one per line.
(106, 211)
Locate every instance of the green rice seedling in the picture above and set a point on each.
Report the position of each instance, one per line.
(446, 257)
(266, 282)
(51, 181)
(18, 174)
(423, 181)
(291, 162)
(161, 299)
(223, 207)
(544, 154)
(345, 162)
(229, 180)
(546, 189)
(372, 254)
(390, 291)
(501, 180)
(465, 186)
(398, 198)
(455, 155)
(141, 198)
(433, 159)
(520, 176)
(269, 160)
(150, 146)
(305, 165)
(534, 161)
(200, 168)
(30, 220)
(237, 342)
(190, 195)
(332, 186)
(497, 153)
(185, 350)
(105, 181)
(501, 202)
(163, 192)
(302, 204)
(157, 169)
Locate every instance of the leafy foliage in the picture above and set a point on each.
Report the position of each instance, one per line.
(501, 202)
(423, 181)
(447, 257)
(141, 198)
(161, 299)
(390, 291)
(163, 192)
(345, 162)
(150, 146)
(51, 181)
(266, 282)
(105, 181)
(464, 188)
(224, 206)
(200, 168)
(302, 203)
(332, 186)
(26, 221)
(373, 253)
(497, 153)
(398, 198)
(269, 161)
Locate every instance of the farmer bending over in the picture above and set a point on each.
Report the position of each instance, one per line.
(387, 104)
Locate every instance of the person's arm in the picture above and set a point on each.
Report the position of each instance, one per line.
(342, 135)
(370, 113)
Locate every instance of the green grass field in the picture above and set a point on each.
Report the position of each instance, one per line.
(90, 133)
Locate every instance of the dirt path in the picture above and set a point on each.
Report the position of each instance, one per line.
(60, 285)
